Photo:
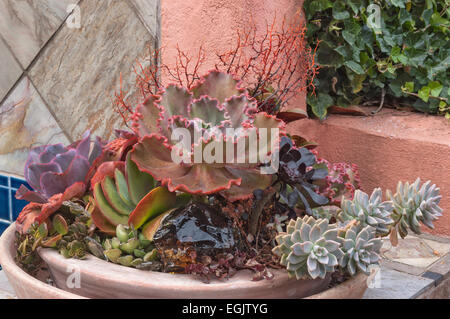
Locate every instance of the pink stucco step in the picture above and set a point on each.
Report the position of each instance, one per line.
(388, 147)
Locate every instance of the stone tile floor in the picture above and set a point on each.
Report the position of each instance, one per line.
(6, 291)
(419, 267)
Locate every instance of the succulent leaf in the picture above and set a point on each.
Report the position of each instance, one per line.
(122, 187)
(122, 233)
(217, 85)
(60, 224)
(130, 245)
(103, 224)
(152, 226)
(139, 183)
(125, 260)
(113, 254)
(153, 204)
(106, 209)
(111, 194)
(35, 212)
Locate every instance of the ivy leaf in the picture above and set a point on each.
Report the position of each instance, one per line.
(424, 93)
(416, 57)
(339, 12)
(320, 103)
(355, 67)
(395, 54)
(410, 55)
(426, 16)
(437, 20)
(396, 87)
(328, 57)
(357, 83)
(344, 50)
(409, 87)
(349, 37)
(398, 3)
(404, 16)
(354, 5)
(435, 88)
(318, 6)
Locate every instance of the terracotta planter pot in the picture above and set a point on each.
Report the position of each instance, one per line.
(100, 279)
(25, 286)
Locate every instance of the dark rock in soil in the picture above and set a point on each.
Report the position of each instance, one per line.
(197, 228)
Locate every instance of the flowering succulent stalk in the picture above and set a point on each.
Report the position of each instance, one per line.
(361, 249)
(415, 204)
(309, 248)
(342, 181)
(368, 211)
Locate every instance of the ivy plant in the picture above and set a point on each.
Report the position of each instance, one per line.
(375, 52)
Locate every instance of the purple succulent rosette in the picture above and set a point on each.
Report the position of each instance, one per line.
(51, 169)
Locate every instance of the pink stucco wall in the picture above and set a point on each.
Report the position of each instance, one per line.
(214, 23)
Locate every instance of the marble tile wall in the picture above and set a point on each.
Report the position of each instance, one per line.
(148, 11)
(57, 81)
(25, 122)
(26, 25)
(10, 70)
(79, 70)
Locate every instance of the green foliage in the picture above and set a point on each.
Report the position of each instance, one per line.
(407, 57)
(69, 232)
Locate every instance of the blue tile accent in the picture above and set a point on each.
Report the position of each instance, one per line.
(15, 183)
(4, 203)
(3, 227)
(17, 206)
(3, 180)
(10, 207)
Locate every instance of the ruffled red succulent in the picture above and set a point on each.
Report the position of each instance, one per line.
(217, 103)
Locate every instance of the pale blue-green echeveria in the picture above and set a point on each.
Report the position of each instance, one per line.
(309, 248)
(414, 204)
(368, 211)
(361, 249)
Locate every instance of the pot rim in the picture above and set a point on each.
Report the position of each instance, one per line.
(181, 283)
(241, 280)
